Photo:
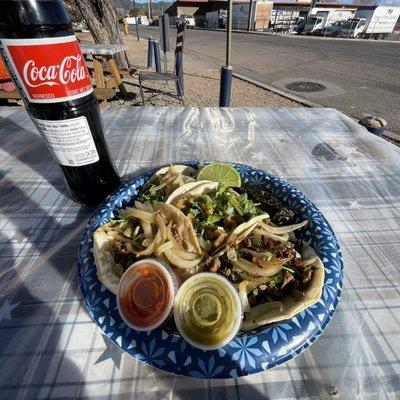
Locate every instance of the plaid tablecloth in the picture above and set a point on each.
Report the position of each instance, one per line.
(50, 348)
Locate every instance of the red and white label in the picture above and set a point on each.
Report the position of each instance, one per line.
(49, 70)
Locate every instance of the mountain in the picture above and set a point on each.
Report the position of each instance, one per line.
(161, 6)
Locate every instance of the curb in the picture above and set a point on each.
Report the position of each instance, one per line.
(281, 92)
(392, 135)
(297, 36)
(308, 103)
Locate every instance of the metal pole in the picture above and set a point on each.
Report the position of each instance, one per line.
(250, 16)
(179, 73)
(312, 5)
(137, 29)
(180, 35)
(226, 71)
(148, 9)
(225, 86)
(326, 26)
(229, 33)
(150, 52)
(157, 58)
(164, 37)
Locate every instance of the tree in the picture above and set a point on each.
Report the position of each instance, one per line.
(73, 12)
(102, 23)
(137, 12)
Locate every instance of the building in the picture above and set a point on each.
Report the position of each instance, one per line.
(201, 7)
(283, 16)
(181, 7)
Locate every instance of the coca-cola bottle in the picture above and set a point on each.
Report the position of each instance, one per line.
(47, 65)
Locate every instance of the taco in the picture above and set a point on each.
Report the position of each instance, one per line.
(104, 246)
(180, 168)
(274, 278)
(191, 189)
(290, 305)
(161, 231)
(201, 226)
(165, 181)
(277, 279)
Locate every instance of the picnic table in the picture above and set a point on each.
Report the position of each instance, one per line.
(106, 52)
(50, 347)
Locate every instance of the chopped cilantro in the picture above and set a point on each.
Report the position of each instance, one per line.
(213, 219)
(278, 278)
(120, 223)
(152, 197)
(211, 209)
(289, 269)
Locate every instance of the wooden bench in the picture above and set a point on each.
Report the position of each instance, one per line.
(9, 95)
(102, 94)
(103, 53)
(122, 71)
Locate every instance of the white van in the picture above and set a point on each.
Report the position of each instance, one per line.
(187, 19)
(375, 22)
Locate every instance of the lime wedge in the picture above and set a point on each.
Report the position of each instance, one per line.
(224, 174)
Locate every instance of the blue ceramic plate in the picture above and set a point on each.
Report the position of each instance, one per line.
(249, 352)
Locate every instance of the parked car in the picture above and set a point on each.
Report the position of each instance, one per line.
(187, 19)
(331, 30)
(323, 17)
(298, 27)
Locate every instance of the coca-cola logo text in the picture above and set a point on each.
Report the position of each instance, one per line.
(49, 69)
(70, 70)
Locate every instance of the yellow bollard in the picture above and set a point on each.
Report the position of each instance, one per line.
(126, 27)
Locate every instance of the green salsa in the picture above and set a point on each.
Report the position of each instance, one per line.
(207, 310)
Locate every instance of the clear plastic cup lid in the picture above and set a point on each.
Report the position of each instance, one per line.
(146, 294)
(207, 311)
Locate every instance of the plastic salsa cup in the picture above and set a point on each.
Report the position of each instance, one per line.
(146, 294)
(207, 311)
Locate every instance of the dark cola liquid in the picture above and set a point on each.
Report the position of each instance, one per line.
(91, 183)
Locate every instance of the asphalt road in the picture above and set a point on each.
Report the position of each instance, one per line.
(360, 76)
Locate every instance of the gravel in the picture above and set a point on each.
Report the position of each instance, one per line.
(201, 84)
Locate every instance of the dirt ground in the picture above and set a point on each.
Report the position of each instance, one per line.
(201, 84)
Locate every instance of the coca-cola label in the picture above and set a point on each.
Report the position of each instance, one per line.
(49, 70)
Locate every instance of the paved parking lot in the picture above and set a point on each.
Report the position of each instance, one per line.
(361, 77)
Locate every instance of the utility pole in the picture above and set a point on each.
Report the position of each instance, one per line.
(226, 71)
(312, 5)
(229, 33)
(250, 20)
(149, 9)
